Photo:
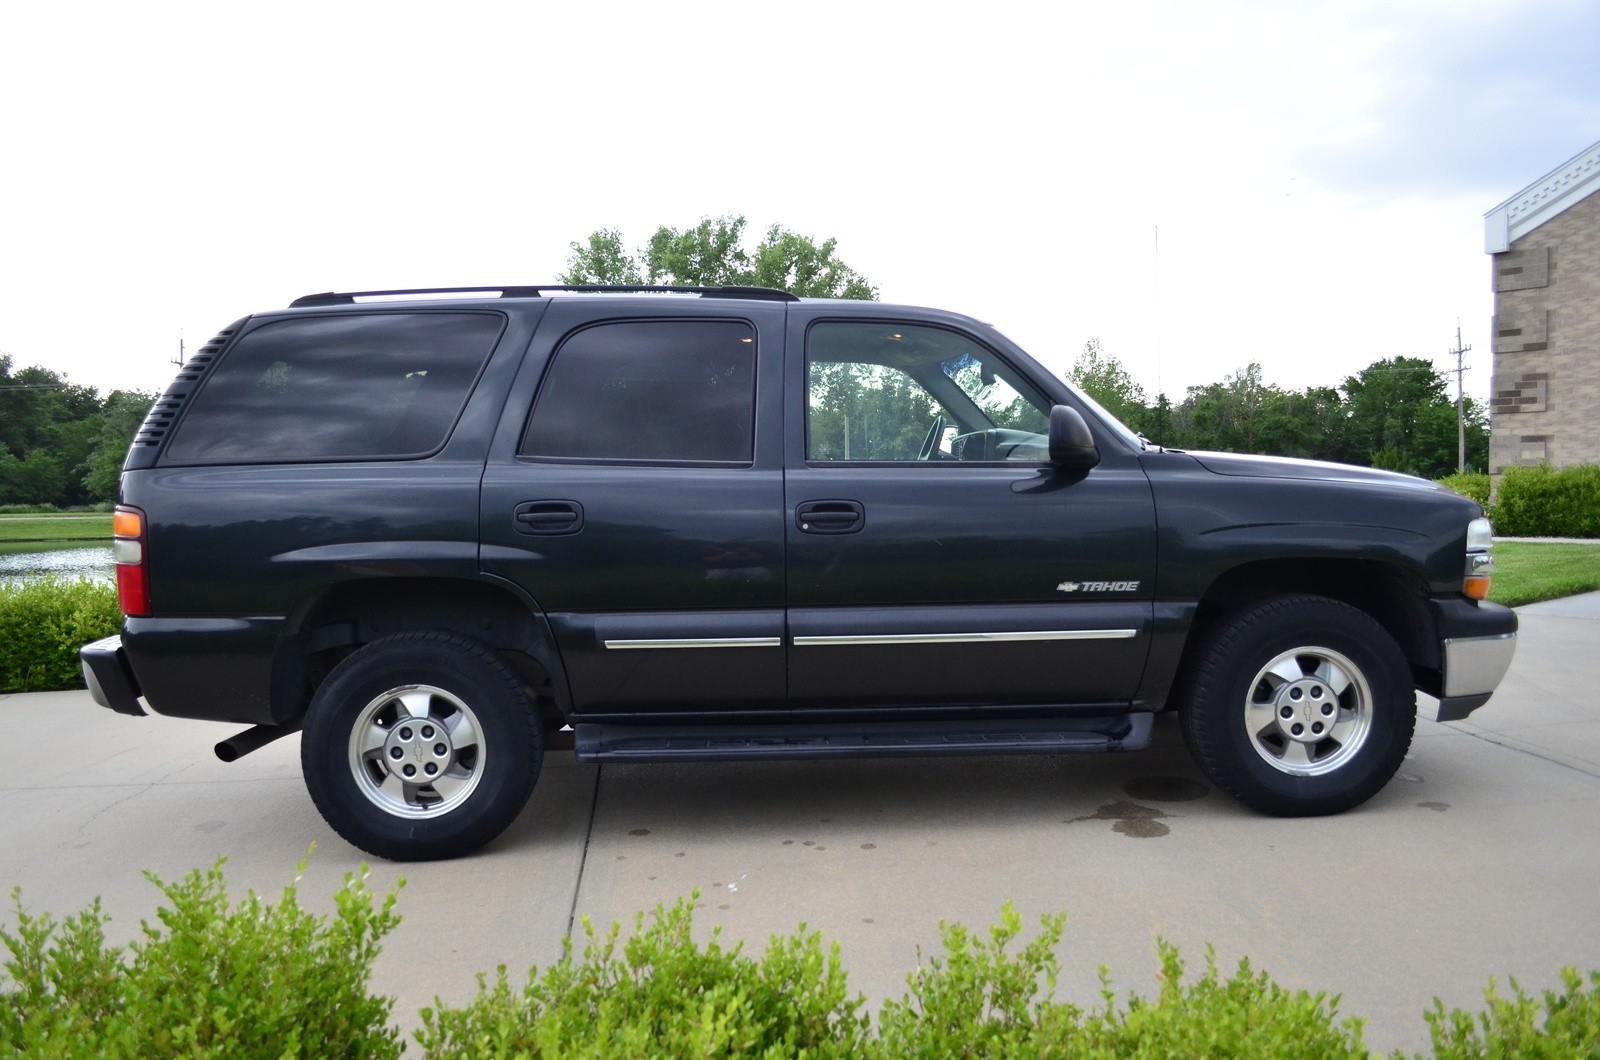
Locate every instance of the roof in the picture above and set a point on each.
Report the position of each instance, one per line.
(1572, 181)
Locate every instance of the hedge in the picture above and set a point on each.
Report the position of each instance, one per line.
(267, 979)
(43, 623)
(1538, 501)
(1542, 502)
(1469, 484)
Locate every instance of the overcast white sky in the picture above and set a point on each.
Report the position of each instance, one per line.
(1318, 172)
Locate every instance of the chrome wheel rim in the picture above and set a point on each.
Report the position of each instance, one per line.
(1308, 711)
(416, 751)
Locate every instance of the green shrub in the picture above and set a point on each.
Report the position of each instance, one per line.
(1541, 502)
(1246, 1015)
(1511, 1026)
(270, 980)
(981, 1001)
(661, 996)
(43, 623)
(258, 980)
(1469, 484)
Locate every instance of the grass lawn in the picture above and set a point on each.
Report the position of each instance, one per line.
(94, 526)
(1527, 572)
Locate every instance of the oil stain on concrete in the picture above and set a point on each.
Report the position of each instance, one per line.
(1139, 821)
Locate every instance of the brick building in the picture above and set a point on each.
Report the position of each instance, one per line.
(1545, 394)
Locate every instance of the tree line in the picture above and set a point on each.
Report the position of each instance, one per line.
(62, 444)
(1396, 413)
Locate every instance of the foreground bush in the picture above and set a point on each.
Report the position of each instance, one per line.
(43, 623)
(1512, 1026)
(257, 980)
(662, 995)
(270, 980)
(1541, 502)
(978, 1000)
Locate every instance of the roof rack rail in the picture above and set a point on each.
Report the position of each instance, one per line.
(770, 294)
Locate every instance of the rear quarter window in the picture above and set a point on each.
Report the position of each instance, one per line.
(381, 386)
(649, 391)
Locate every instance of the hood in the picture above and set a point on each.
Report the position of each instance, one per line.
(1242, 465)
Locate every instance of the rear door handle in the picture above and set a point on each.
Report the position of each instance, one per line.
(549, 518)
(830, 517)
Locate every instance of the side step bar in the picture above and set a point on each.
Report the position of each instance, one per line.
(720, 743)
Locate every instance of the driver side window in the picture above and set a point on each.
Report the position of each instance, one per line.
(890, 392)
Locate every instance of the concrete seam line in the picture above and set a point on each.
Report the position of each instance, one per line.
(583, 858)
(1486, 738)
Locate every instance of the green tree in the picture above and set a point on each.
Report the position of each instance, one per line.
(60, 444)
(1102, 377)
(120, 417)
(1402, 417)
(1310, 423)
(47, 427)
(713, 254)
(1234, 416)
(602, 259)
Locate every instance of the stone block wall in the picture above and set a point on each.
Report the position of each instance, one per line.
(1544, 398)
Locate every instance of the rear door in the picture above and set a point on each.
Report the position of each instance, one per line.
(636, 495)
(935, 557)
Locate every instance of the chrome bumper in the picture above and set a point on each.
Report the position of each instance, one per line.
(1477, 641)
(1475, 665)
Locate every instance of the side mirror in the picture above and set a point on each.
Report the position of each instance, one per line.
(1072, 447)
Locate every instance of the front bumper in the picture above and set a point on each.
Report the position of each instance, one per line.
(109, 677)
(1477, 641)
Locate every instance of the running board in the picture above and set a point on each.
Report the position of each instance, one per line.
(720, 743)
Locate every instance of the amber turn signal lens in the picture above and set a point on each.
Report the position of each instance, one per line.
(127, 523)
(1477, 588)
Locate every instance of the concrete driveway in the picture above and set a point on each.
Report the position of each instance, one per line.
(1482, 858)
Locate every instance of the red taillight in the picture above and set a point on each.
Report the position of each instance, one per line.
(131, 551)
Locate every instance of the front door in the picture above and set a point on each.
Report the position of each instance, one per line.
(935, 557)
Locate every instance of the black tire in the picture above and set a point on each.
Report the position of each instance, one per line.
(1299, 706)
(445, 709)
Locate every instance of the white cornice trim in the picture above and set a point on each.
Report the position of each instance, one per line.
(1573, 180)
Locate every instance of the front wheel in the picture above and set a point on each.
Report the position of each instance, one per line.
(1299, 706)
(421, 745)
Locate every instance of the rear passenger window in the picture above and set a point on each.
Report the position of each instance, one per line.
(649, 391)
(381, 386)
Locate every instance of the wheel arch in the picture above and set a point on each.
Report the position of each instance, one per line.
(325, 628)
(1394, 597)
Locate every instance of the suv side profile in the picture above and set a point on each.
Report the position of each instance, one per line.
(435, 530)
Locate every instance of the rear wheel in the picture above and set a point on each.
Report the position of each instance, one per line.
(421, 745)
(1298, 706)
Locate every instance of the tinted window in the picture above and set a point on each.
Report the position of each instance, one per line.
(886, 391)
(649, 391)
(348, 387)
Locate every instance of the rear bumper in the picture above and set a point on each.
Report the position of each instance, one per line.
(1477, 642)
(109, 677)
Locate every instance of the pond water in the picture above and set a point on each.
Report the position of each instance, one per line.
(27, 562)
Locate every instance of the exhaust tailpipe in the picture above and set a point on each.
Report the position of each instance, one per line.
(253, 739)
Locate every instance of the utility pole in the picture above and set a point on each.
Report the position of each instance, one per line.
(1461, 422)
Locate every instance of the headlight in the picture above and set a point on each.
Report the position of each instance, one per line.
(1479, 561)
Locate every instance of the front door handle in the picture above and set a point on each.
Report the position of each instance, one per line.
(830, 517)
(549, 518)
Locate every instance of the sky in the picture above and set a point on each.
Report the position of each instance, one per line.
(1198, 185)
